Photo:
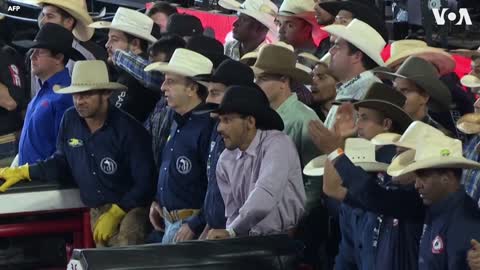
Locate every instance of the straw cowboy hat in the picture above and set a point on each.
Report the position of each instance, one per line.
(470, 81)
(469, 123)
(389, 101)
(438, 152)
(424, 74)
(325, 58)
(184, 62)
(78, 10)
(280, 59)
(131, 22)
(360, 151)
(89, 75)
(362, 36)
(402, 49)
(264, 11)
(410, 137)
(304, 9)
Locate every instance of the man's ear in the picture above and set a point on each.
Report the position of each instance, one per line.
(69, 23)
(251, 122)
(387, 124)
(134, 46)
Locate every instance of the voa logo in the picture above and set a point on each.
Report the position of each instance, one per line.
(463, 16)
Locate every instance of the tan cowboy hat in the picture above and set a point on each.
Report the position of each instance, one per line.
(360, 151)
(470, 81)
(78, 10)
(466, 53)
(436, 152)
(264, 11)
(89, 75)
(131, 22)
(251, 57)
(279, 58)
(402, 49)
(416, 130)
(185, 63)
(325, 58)
(362, 36)
(469, 123)
(424, 74)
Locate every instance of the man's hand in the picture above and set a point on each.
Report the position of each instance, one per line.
(332, 182)
(218, 234)
(345, 121)
(6, 101)
(325, 140)
(108, 224)
(184, 234)
(204, 234)
(473, 255)
(156, 218)
(13, 176)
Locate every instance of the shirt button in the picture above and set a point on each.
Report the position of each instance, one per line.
(161, 189)
(164, 169)
(178, 130)
(92, 155)
(94, 173)
(171, 149)
(98, 191)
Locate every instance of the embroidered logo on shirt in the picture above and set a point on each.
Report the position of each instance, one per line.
(437, 245)
(184, 165)
(108, 165)
(44, 104)
(75, 143)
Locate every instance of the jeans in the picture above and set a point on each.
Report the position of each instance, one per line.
(171, 230)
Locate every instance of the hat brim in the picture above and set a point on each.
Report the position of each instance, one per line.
(295, 74)
(405, 163)
(165, 67)
(470, 81)
(73, 89)
(69, 53)
(267, 119)
(316, 167)
(387, 138)
(392, 111)
(466, 53)
(332, 7)
(442, 60)
(81, 31)
(206, 108)
(469, 123)
(342, 32)
(122, 28)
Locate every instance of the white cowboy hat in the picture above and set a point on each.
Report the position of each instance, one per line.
(264, 11)
(416, 130)
(469, 123)
(185, 63)
(78, 10)
(361, 152)
(129, 21)
(89, 75)
(402, 49)
(470, 81)
(436, 152)
(362, 36)
(325, 58)
(304, 9)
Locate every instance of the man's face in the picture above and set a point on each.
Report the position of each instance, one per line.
(234, 130)
(429, 186)
(161, 20)
(416, 97)
(323, 85)
(43, 62)
(243, 27)
(322, 16)
(89, 104)
(292, 30)
(369, 123)
(343, 17)
(117, 40)
(51, 14)
(270, 85)
(216, 91)
(176, 91)
(341, 59)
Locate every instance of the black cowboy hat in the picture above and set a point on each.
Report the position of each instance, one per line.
(53, 37)
(208, 47)
(229, 72)
(390, 102)
(250, 100)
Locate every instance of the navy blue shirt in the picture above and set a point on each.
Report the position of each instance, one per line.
(182, 179)
(42, 121)
(112, 165)
(449, 227)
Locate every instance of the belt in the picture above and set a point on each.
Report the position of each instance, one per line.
(180, 214)
(8, 138)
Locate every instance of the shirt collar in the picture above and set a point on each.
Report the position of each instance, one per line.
(252, 148)
(287, 103)
(55, 79)
(182, 119)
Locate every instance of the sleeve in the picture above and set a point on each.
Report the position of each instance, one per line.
(367, 194)
(345, 259)
(142, 170)
(135, 65)
(269, 187)
(464, 229)
(197, 223)
(11, 75)
(60, 107)
(231, 210)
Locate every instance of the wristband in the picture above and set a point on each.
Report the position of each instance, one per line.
(334, 154)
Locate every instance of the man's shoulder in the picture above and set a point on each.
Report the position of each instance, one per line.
(305, 113)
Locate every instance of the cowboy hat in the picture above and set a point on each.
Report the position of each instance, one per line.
(438, 152)
(264, 11)
(469, 123)
(250, 100)
(280, 59)
(466, 53)
(402, 49)
(304, 10)
(131, 22)
(208, 47)
(230, 72)
(185, 63)
(424, 74)
(53, 37)
(78, 10)
(184, 25)
(325, 58)
(89, 75)
(362, 36)
(387, 100)
(251, 57)
(470, 81)
(361, 153)
(409, 139)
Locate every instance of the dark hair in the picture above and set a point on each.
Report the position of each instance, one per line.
(475, 57)
(367, 62)
(162, 7)
(382, 116)
(55, 53)
(143, 42)
(167, 45)
(202, 91)
(63, 13)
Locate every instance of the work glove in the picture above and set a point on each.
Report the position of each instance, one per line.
(108, 224)
(13, 176)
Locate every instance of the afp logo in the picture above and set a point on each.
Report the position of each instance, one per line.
(463, 16)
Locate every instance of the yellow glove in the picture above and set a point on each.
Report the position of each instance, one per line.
(108, 223)
(13, 176)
